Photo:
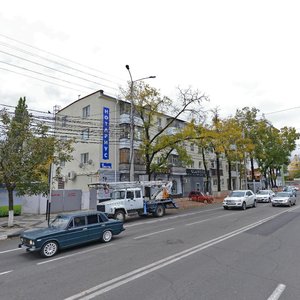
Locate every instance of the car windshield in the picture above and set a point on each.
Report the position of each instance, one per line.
(237, 194)
(263, 192)
(117, 195)
(282, 194)
(60, 222)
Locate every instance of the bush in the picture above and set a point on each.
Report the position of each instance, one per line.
(4, 210)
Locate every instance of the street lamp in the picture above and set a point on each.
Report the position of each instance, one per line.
(131, 154)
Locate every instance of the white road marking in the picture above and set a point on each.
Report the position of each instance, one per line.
(209, 219)
(152, 233)
(130, 276)
(74, 254)
(171, 217)
(6, 272)
(277, 292)
(10, 250)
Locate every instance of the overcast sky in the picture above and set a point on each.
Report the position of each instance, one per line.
(240, 53)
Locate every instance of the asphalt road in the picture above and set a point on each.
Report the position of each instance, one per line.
(207, 253)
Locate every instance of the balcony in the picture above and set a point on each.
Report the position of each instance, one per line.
(213, 172)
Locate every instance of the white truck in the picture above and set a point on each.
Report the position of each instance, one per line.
(128, 198)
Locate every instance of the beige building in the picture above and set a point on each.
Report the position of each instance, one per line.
(100, 126)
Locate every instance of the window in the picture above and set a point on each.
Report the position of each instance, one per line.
(129, 195)
(84, 158)
(92, 219)
(192, 147)
(137, 194)
(79, 221)
(85, 134)
(124, 156)
(215, 182)
(86, 111)
(64, 121)
(159, 122)
(192, 164)
(200, 164)
(62, 163)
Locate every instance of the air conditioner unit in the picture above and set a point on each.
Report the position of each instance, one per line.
(90, 161)
(71, 175)
(80, 165)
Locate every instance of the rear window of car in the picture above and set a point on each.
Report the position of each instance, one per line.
(92, 219)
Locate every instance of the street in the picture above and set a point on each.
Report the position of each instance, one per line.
(206, 253)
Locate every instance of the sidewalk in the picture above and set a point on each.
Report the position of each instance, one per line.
(28, 221)
(21, 223)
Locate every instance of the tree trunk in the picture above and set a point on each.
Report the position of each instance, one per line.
(206, 188)
(218, 172)
(252, 168)
(10, 207)
(229, 175)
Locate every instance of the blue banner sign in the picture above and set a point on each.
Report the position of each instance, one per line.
(105, 141)
(105, 165)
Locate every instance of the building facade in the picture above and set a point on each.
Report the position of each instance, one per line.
(100, 127)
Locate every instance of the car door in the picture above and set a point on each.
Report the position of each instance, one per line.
(250, 198)
(95, 227)
(77, 231)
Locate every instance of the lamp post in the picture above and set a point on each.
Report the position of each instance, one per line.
(131, 154)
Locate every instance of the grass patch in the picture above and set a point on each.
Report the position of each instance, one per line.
(4, 210)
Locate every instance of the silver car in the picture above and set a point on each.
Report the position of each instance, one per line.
(283, 198)
(240, 199)
(264, 195)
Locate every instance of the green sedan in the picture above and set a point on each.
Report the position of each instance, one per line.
(70, 229)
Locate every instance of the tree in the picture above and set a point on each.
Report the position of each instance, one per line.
(26, 152)
(159, 142)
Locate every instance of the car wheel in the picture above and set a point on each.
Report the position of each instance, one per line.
(254, 203)
(107, 236)
(244, 206)
(269, 200)
(290, 203)
(273, 204)
(160, 211)
(49, 249)
(119, 215)
(225, 207)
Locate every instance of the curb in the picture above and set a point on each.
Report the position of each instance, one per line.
(3, 237)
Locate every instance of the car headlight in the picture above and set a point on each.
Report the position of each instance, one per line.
(31, 242)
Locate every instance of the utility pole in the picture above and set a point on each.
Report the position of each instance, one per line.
(131, 149)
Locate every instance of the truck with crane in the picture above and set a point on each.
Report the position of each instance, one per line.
(130, 198)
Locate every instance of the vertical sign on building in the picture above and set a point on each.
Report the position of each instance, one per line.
(105, 144)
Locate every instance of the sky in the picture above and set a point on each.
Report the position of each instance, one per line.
(239, 53)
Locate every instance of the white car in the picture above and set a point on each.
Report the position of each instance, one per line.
(264, 195)
(240, 199)
(284, 198)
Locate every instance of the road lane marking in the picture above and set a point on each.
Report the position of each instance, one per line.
(152, 233)
(6, 272)
(74, 254)
(137, 273)
(171, 217)
(277, 292)
(209, 219)
(10, 250)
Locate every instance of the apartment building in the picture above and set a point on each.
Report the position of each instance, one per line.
(100, 126)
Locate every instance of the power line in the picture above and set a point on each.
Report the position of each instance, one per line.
(55, 55)
(50, 68)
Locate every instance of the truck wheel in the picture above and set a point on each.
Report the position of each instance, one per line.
(119, 215)
(160, 211)
(49, 249)
(106, 236)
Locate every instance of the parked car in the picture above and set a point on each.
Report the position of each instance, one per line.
(264, 195)
(290, 189)
(240, 199)
(70, 229)
(284, 198)
(200, 197)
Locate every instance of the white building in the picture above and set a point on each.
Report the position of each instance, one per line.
(100, 125)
